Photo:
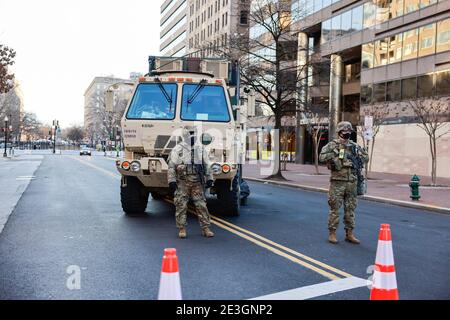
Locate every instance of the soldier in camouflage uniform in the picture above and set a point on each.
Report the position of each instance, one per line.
(343, 181)
(188, 168)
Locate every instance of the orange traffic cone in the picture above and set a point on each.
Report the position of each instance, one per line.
(384, 284)
(169, 285)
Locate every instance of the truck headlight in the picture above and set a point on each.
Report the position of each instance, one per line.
(135, 166)
(216, 168)
(206, 139)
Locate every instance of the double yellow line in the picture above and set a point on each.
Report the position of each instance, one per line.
(312, 264)
(305, 261)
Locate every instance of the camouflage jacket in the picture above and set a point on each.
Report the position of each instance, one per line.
(335, 155)
(184, 164)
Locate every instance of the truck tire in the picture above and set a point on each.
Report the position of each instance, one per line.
(229, 199)
(156, 195)
(133, 196)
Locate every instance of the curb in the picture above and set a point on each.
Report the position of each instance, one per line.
(400, 203)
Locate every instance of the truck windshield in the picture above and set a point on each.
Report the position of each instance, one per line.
(150, 102)
(210, 104)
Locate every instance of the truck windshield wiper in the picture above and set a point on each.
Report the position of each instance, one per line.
(196, 91)
(166, 95)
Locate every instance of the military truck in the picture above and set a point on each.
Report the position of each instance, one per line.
(175, 94)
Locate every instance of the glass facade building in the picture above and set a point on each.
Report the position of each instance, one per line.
(173, 25)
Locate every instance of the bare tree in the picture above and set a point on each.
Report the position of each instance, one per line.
(268, 63)
(433, 115)
(317, 126)
(31, 126)
(7, 56)
(74, 133)
(379, 113)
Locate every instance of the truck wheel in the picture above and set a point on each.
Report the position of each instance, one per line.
(229, 199)
(133, 196)
(156, 195)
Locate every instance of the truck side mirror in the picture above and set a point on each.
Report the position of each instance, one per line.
(109, 101)
(251, 105)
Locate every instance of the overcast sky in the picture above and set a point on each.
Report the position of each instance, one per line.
(63, 44)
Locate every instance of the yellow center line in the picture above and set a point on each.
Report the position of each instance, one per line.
(253, 237)
(293, 252)
(87, 163)
(272, 248)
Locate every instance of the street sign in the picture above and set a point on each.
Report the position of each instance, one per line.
(368, 122)
(368, 134)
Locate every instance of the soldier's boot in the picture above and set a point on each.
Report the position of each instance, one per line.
(332, 237)
(206, 232)
(350, 237)
(182, 234)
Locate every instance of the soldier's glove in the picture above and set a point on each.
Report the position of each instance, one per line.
(209, 184)
(173, 187)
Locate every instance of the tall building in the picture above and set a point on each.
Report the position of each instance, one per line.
(383, 54)
(212, 22)
(173, 28)
(98, 122)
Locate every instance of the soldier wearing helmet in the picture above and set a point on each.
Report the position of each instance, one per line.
(188, 170)
(343, 181)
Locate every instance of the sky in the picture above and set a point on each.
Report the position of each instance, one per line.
(63, 44)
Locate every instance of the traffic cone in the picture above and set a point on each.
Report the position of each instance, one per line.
(384, 284)
(169, 285)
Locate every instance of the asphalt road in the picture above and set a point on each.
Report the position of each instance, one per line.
(70, 215)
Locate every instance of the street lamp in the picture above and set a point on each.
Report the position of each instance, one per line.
(55, 128)
(6, 135)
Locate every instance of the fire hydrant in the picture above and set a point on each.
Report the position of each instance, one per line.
(414, 185)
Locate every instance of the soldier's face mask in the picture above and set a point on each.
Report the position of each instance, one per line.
(345, 135)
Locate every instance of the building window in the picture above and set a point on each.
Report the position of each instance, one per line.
(357, 18)
(326, 30)
(410, 44)
(379, 92)
(396, 8)
(425, 86)
(411, 5)
(395, 48)
(443, 35)
(367, 56)
(346, 22)
(382, 10)
(366, 94)
(409, 88)
(427, 34)
(393, 90)
(336, 26)
(317, 5)
(443, 83)
(425, 3)
(243, 18)
(369, 14)
(381, 55)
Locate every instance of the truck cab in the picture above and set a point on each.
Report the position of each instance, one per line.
(163, 103)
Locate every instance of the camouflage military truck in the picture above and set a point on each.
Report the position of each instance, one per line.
(180, 93)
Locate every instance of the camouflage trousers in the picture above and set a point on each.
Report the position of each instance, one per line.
(190, 190)
(342, 192)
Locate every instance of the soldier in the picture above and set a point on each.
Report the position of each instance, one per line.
(343, 181)
(188, 168)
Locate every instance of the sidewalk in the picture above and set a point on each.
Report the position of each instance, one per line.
(15, 175)
(383, 187)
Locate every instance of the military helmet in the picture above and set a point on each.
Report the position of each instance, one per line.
(344, 126)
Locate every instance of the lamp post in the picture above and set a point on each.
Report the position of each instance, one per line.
(6, 135)
(55, 128)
